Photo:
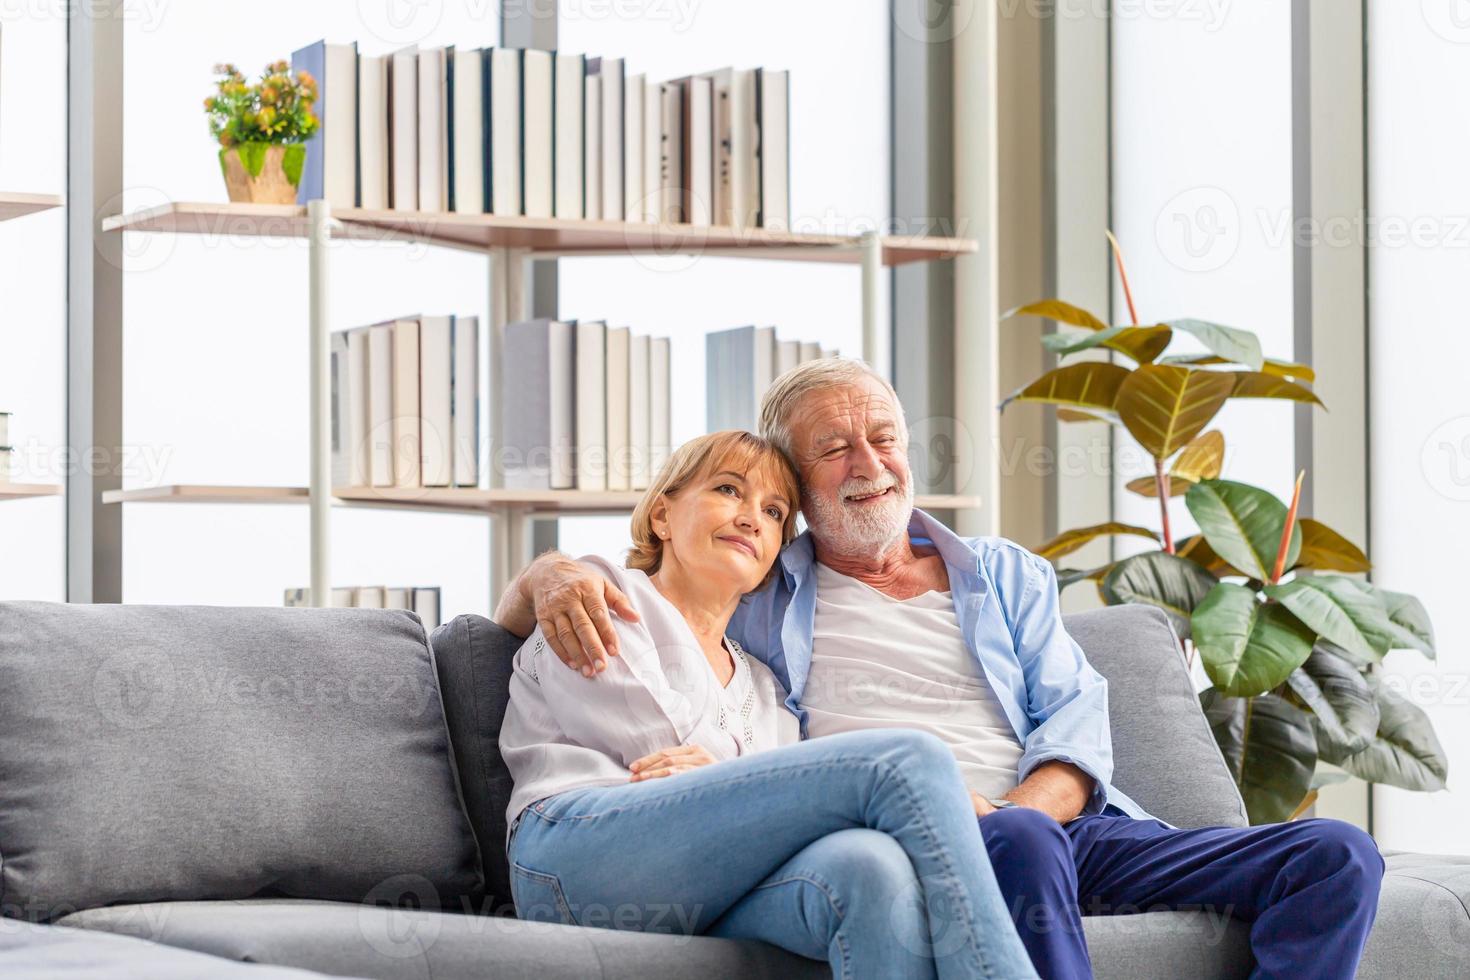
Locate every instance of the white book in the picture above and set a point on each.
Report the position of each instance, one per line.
(591, 402)
(369, 597)
(403, 129)
(764, 358)
(775, 150)
(671, 149)
(465, 401)
(571, 90)
(372, 131)
(359, 428)
(660, 442)
(426, 604)
(330, 172)
(619, 434)
(592, 147)
(433, 131)
(380, 403)
(467, 132)
(505, 132)
(436, 413)
(633, 175)
(721, 200)
(407, 468)
(537, 405)
(4, 428)
(810, 351)
(698, 151)
(788, 355)
(653, 155)
(538, 100)
(638, 409)
(613, 134)
(399, 597)
(342, 598)
(744, 149)
(830, 352)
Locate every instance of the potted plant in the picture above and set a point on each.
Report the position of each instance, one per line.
(1291, 642)
(261, 130)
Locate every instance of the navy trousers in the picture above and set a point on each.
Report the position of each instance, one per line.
(1309, 888)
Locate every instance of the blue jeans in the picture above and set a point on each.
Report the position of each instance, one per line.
(859, 849)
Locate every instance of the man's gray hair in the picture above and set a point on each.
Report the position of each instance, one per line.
(778, 407)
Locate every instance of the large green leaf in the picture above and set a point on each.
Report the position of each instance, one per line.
(1165, 407)
(1337, 608)
(1342, 704)
(1280, 369)
(1270, 749)
(1055, 309)
(1409, 621)
(1069, 541)
(1157, 578)
(1324, 550)
(1142, 344)
(1090, 385)
(1259, 384)
(1405, 752)
(1246, 646)
(1198, 550)
(1243, 524)
(1235, 345)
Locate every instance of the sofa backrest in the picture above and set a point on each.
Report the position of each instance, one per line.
(1164, 755)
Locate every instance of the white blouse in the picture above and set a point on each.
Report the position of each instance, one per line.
(564, 731)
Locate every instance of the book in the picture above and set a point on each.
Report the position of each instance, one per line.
(671, 148)
(330, 171)
(426, 604)
(744, 149)
(570, 124)
(468, 175)
(653, 136)
(4, 428)
(610, 70)
(373, 152)
(592, 146)
(538, 405)
(634, 195)
(616, 386)
(538, 132)
(775, 150)
(433, 148)
(788, 355)
(721, 199)
(505, 132)
(357, 431)
(659, 442)
(591, 405)
(465, 400)
(810, 351)
(638, 408)
(698, 149)
(739, 366)
(380, 403)
(297, 597)
(407, 463)
(398, 597)
(436, 412)
(403, 129)
(349, 449)
(369, 597)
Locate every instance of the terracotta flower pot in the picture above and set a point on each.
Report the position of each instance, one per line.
(263, 173)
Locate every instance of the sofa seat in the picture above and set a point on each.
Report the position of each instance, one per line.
(1423, 924)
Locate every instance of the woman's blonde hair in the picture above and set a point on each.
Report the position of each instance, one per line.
(735, 450)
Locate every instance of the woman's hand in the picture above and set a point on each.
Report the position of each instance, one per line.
(667, 762)
(574, 608)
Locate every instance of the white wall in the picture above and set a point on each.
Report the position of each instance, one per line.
(837, 52)
(1419, 64)
(1202, 205)
(33, 298)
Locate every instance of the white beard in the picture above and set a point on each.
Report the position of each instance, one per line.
(868, 530)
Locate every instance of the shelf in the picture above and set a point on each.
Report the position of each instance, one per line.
(453, 499)
(20, 205)
(18, 491)
(546, 237)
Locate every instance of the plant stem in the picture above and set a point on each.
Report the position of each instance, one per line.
(1161, 481)
(1296, 498)
(1123, 274)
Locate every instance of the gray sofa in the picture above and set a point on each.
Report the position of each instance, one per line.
(322, 790)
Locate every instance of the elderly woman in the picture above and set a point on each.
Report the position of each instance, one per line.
(672, 793)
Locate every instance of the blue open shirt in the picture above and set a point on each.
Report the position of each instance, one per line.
(1007, 604)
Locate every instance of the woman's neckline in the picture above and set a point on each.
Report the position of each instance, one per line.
(724, 639)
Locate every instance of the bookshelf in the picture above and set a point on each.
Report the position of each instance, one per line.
(509, 245)
(16, 205)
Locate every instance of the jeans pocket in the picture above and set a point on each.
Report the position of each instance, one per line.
(538, 896)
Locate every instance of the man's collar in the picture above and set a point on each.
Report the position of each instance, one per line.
(798, 557)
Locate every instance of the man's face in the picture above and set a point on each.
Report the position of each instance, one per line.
(852, 454)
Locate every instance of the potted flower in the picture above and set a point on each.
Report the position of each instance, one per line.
(262, 130)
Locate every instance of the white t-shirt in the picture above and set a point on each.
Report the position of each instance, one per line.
(881, 662)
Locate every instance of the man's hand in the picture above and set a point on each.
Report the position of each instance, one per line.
(574, 606)
(669, 762)
(982, 805)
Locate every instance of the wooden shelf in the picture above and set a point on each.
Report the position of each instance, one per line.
(547, 237)
(18, 491)
(468, 500)
(20, 205)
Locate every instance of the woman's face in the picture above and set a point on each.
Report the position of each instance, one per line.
(724, 527)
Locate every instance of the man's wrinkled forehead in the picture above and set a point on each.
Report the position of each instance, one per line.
(836, 413)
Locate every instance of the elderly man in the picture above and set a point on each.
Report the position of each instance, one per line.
(883, 617)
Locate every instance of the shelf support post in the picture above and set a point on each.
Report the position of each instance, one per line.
(319, 216)
(875, 346)
(509, 302)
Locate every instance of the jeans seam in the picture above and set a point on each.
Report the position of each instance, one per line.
(551, 882)
(825, 887)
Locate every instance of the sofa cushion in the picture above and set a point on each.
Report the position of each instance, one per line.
(1423, 924)
(474, 657)
(170, 752)
(1164, 756)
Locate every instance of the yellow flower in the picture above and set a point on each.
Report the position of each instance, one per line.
(267, 117)
(268, 94)
(209, 105)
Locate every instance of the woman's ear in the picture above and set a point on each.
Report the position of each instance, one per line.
(658, 518)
